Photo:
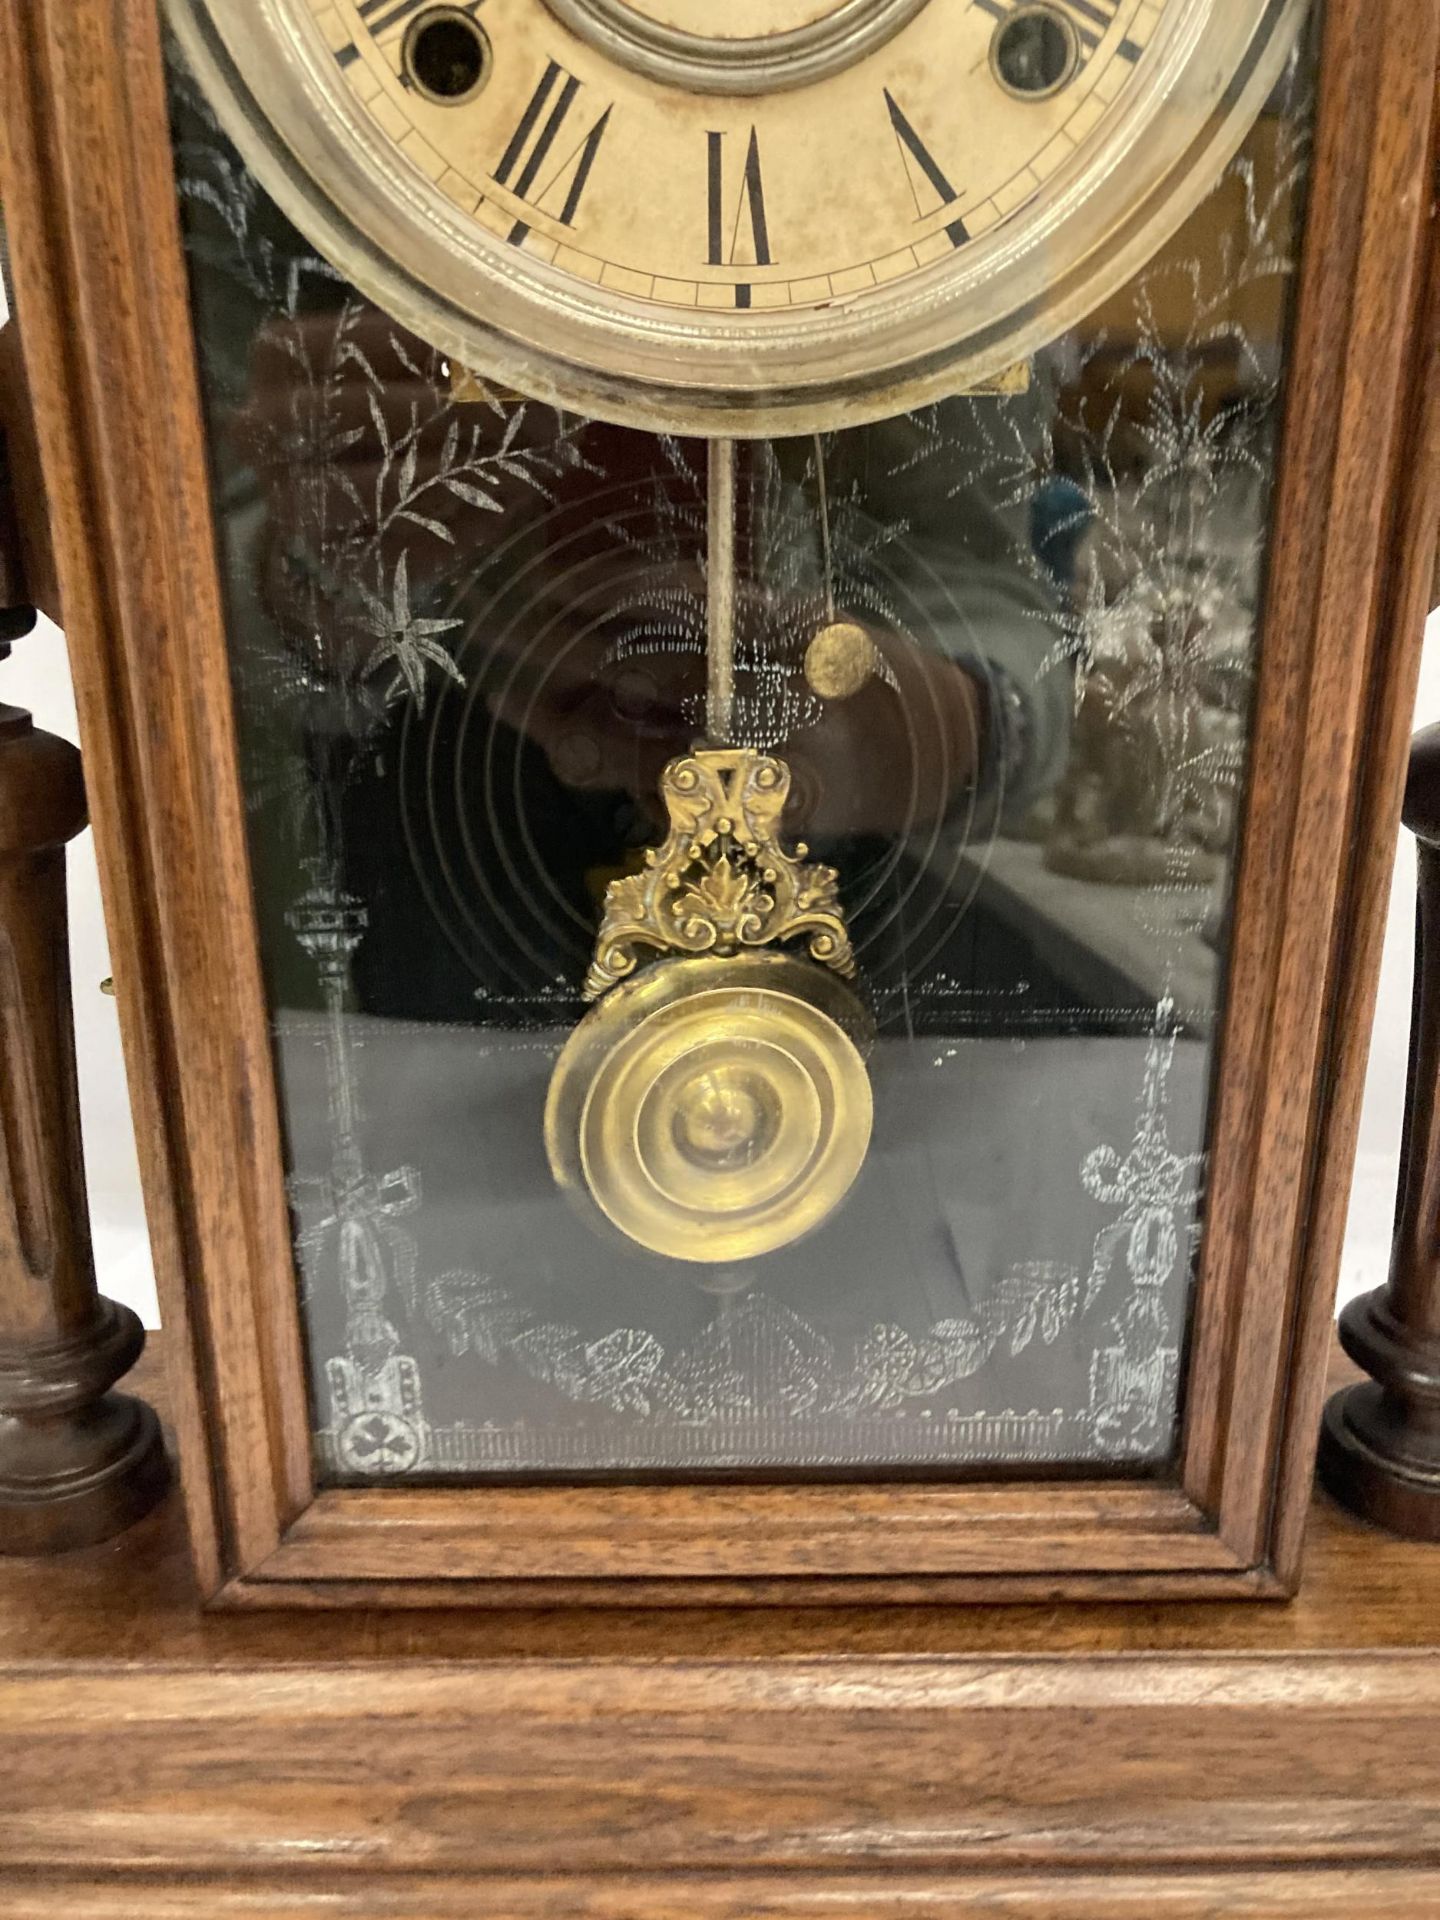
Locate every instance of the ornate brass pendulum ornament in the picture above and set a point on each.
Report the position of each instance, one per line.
(714, 1105)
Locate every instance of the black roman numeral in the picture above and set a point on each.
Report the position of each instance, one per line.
(380, 15)
(923, 170)
(728, 247)
(541, 163)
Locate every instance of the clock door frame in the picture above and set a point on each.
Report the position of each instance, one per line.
(102, 299)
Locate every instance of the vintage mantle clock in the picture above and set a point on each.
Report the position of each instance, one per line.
(744, 672)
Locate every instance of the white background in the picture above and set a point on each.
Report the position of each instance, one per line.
(36, 676)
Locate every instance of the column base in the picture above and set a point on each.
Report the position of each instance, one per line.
(78, 1462)
(83, 1483)
(1403, 1496)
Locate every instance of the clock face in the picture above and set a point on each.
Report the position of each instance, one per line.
(819, 211)
(885, 164)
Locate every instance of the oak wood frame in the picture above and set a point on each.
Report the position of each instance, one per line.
(91, 204)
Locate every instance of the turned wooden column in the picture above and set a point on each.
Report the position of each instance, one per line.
(1380, 1450)
(77, 1462)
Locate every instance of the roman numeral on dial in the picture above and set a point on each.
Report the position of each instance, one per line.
(929, 187)
(549, 156)
(738, 237)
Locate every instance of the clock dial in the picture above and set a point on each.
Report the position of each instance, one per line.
(618, 179)
(824, 209)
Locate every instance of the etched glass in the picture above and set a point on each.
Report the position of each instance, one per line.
(468, 634)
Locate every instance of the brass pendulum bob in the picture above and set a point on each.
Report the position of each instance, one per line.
(714, 1104)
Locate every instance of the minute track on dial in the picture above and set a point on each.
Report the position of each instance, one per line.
(710, 238)
(885, 214)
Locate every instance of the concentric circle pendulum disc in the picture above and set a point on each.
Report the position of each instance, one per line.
(714, 1109)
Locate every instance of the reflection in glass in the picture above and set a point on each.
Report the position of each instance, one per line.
(469, 635)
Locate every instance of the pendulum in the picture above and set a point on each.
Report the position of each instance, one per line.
(714, 1104)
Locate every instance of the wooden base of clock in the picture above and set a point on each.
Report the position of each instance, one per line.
(1078, 1763)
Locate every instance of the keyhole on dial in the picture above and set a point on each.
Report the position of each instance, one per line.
(447, 56)
(1034, 52)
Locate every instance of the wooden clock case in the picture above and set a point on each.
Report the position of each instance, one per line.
(91, 205)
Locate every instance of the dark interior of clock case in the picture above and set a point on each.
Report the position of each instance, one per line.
(467, 634)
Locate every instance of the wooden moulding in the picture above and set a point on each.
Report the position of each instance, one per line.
(92, 208)
(1396, 1894)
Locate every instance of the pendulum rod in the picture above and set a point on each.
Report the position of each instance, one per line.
(827, 557)
(720, 596)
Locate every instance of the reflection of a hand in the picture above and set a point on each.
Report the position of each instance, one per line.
(608, 721)
(895, 755)
(892, 757)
